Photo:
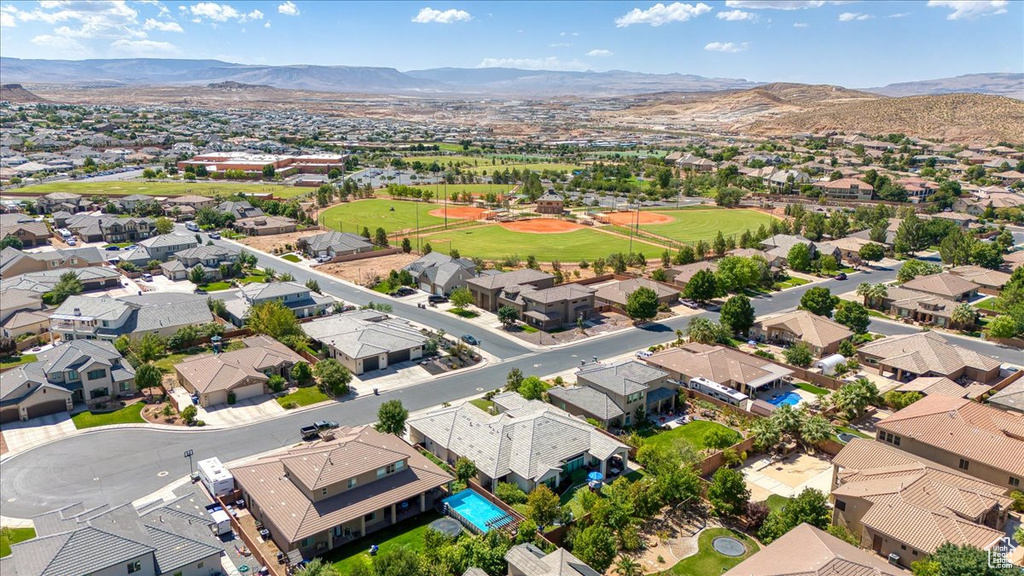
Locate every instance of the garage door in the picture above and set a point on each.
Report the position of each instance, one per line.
(8, 415)
(370, 364)
(396, 357)
(51, 407)
(248, 391)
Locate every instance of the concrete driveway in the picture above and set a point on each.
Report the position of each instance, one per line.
(244, 412)
(20, 436)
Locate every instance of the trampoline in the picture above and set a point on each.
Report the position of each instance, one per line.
(728, 546)
(447, 526)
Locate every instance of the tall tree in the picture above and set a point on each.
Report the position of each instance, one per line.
(819, 300)
(391, 418)
(642, 304)
(738, 314)
(701, 287)
(274, 319)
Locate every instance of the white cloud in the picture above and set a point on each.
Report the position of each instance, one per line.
(152, 24)
(781, 4)
(254, 15)
(214, 11)
(95, 19)
(59, 43)
(599, 52)
(899, 15)
(967, 9)
(267, 25)
(854, 16)
(560, 45)
(7, 20)
(730, 47)
(144, 48)
(549, 63)
(800, 24)
(288, 9)
(428, 15)
(736, 16)
(660, 14)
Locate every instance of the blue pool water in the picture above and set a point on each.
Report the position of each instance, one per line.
(791, 398)
(475, 508)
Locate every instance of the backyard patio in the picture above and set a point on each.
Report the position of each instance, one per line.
(787, 477)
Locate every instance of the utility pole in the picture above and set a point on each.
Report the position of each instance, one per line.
(188, 454)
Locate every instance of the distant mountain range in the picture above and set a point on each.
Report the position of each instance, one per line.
(491, 82)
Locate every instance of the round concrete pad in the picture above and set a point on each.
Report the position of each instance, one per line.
(728, 546)
(447, 526)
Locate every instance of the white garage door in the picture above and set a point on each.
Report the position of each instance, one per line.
(248, 391)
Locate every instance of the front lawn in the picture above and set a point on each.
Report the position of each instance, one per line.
(166, 364)
(215, 286)
(791, 282)
(16, 535)
(463, 313)
(855, 432)
(14, 361)
(128, 415)
(304, 397)
(707, 560)
(692, 434)
(291, 258)
(254, 277)
(816, 390)
(409, 533)
(776, 502)
(987, 304)
(482, 404)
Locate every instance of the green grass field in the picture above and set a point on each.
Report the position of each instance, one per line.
(707, 560)
(474, 189)
(493, 242)
(987, 304)
(816, 390)
(479, 164)
(128, 415)
(694, 225)
(692, 434)
(23, 359)
(171, 188)
(304, 397)
(776, 502)
(408, 533)
(291, 258)
(16, 535)
(376, 213)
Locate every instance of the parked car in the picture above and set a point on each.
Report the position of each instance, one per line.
(215, 235)
(435, 299)
(310, 432)
(323, 259)
(403, 291)
(644, 354)
(690, 304)
(147, 277)
(326, 424)
(112, 247)
(191, 226)
(841, 276)
(470, 340)
(71, 242)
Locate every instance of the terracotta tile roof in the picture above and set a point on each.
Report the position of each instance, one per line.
(808, 551)
(982, 276)
(717, 363)
(958, 426)
(809, 327)
(926, 352)
(941, 284)
(210, 372)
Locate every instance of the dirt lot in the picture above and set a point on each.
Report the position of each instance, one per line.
(272, 241)
(627, 218)
(541, 226)
(362, 271)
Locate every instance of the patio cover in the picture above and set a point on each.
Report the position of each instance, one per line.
(659, 394)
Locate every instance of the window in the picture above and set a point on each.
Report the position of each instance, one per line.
(134, 567)
(323, 491)
(840, 505)
(389, 469)
(96, 374)
(964, 464)
(98, 393)
(370, 517)
(903, 546)
(125, 386)
(306, 542)
(351, 483)
(1015, 482)
(914, 552)
(72, 375)
(399, 465)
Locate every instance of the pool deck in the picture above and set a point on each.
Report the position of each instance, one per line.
(787, 477)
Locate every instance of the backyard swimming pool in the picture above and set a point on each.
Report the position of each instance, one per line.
(791, 398)
(475, 509)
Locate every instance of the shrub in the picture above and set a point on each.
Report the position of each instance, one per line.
(757, 513)
(510, 493)
(189, 414)
(290, 405)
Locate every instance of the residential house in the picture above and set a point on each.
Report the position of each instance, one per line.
(846, 189)
(849, 247)
(962, 220)
(744, 372)
(192, 202)
(25, 228)
(919, 306)
(821, 334)
(550, 203)
(159, 248)
(14, 262)
(321, 496)
(332, 244)
(681, 274)
(904, 507)
(440, 274)
(958, 433)
(265, 225)
(57, 201)
(695, 163)
(990, 281)
(240, 209)
(909, 356)
(778, 247)
(530, 444)
(785, 181)
(528, 560)
(23, 312)
(242, 373)
(366, 340)
(928, 385)
(134, 202)
(617, 394)
(296, 297)
(111, 229)
(808, 551)
(486, 288)
(106, 318)
(549, 308)
(91, 277)
(77, 371)
(1010, 398)
(208, 258)
(164, 539)
(617, 293)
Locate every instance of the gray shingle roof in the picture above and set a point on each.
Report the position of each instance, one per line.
(523, 276)
(364, 333)
(340, 241)
(624, 378)
(588, 399)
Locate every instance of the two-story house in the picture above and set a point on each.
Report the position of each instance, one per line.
(617, 394)
(76, 371)
(322, 496)
(550, 203)
(846, 189)
(66, 201)
(112, 229)
(24, 228)
(239, 209)
(298, 298)
(106, 318)
(14, 262)
(209, 258)
(439, 273)
(159, 248)
(485, 288)
(549, 308)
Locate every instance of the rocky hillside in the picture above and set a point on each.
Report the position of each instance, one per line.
(18, 93)
(999, 84)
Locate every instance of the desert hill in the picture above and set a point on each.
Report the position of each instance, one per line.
(18, 93)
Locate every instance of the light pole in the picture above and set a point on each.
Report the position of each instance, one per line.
(188, 454)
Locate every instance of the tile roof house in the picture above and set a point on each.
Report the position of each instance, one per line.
(160, 248)
(616, 394)
(164, 540)
(618, 292)
(548, 308)
(550, 203)
(928, 385)
(485, 288)
(14, 262)
(243, 373)
(24, 228)
(528, 560)
(106, 318)
(926, 354)
(366, 340)
(532, 443)
(1010, 398)
(333, 243)
(208, 258)
(846, 189)
(682, 274)
(808, 551)
(91, 277)
(439, 273)
(991, 281)
(920, 307)
(23, 312)
(89, 371)
(779, 245)
(66, 201)
(821, 334)
(106, 228)
(323, 495)
(297, 297)
(979, 440)
(944, 285)
(265, 225)
(725, 366)
(900, 504)
(239, 209)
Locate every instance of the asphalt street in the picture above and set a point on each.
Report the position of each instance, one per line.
(122, 465)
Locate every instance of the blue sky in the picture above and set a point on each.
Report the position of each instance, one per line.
(855, 44)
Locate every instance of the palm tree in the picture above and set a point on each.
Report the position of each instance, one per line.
(766, 433)
(963, 315)
(787, 419)
(816, 429)
(626, 566)
(872, 293)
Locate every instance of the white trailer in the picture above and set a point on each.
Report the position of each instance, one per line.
(216, 477)
(221, 522)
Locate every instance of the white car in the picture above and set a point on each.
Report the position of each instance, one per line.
(644, 354)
